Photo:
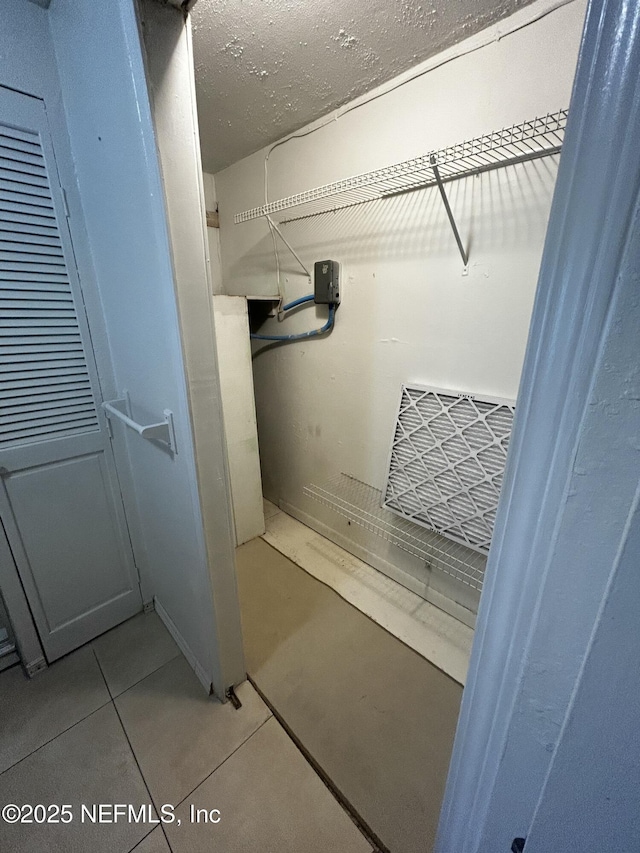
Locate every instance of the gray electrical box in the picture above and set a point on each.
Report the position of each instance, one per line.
(326, 283)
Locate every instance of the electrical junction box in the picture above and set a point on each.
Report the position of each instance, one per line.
(326, 283)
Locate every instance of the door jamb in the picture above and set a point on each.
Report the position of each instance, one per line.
(22, 623)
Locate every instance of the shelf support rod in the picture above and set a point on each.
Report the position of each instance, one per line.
(447, 207)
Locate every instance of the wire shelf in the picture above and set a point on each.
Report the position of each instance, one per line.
(362, 505)
(539, 137)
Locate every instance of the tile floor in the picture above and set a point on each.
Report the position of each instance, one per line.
(124, 720)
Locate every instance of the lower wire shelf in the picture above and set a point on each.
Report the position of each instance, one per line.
(362, 505)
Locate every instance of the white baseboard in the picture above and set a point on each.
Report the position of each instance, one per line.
(182, 644)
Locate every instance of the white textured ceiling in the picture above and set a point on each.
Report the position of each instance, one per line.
(267, 67)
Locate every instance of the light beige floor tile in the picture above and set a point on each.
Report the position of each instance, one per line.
(179, 734)
(133, 650)
(91, 764)
(155, 842)
(377, 717)
(271, 800)
(33, 711)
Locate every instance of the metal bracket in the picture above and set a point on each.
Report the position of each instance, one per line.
(36, 666)
(233, 698)
(163, 431)
(447, 207)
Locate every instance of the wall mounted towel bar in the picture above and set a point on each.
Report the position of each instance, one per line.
(163, 431)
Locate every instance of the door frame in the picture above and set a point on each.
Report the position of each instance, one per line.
(571, 476)
(18, 610)
(166, 47)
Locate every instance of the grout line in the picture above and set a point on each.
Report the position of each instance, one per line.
(361, 824)
(179, 803)
(361, 612)
(135, 758)
(55, 737)
(215, 770)
(115, 628)
(111, 698)
(101, 671)
(142, 840)
(135, 683)
(63, 731)
(217, 767)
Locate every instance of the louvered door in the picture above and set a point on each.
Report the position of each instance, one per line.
(59, 501)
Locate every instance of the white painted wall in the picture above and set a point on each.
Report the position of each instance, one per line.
(236, 382)
(213, 234)
(552, 692)
(239, 409)
(408, 315)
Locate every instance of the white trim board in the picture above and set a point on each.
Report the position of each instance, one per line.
(169, 624)
(569, 491)
(432, 633)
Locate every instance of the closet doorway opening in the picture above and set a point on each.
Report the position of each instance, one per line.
(374, 265)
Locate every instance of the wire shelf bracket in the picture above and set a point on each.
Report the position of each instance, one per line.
(529, 140)
(447, 207)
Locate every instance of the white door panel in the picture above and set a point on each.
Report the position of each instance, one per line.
(64, 513)
(60, 502)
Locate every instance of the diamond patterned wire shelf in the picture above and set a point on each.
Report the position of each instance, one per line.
(362, 505)
(447, 461)
(529, 140)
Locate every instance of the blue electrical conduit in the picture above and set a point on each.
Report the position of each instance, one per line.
(300, 301)
(312, 334)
